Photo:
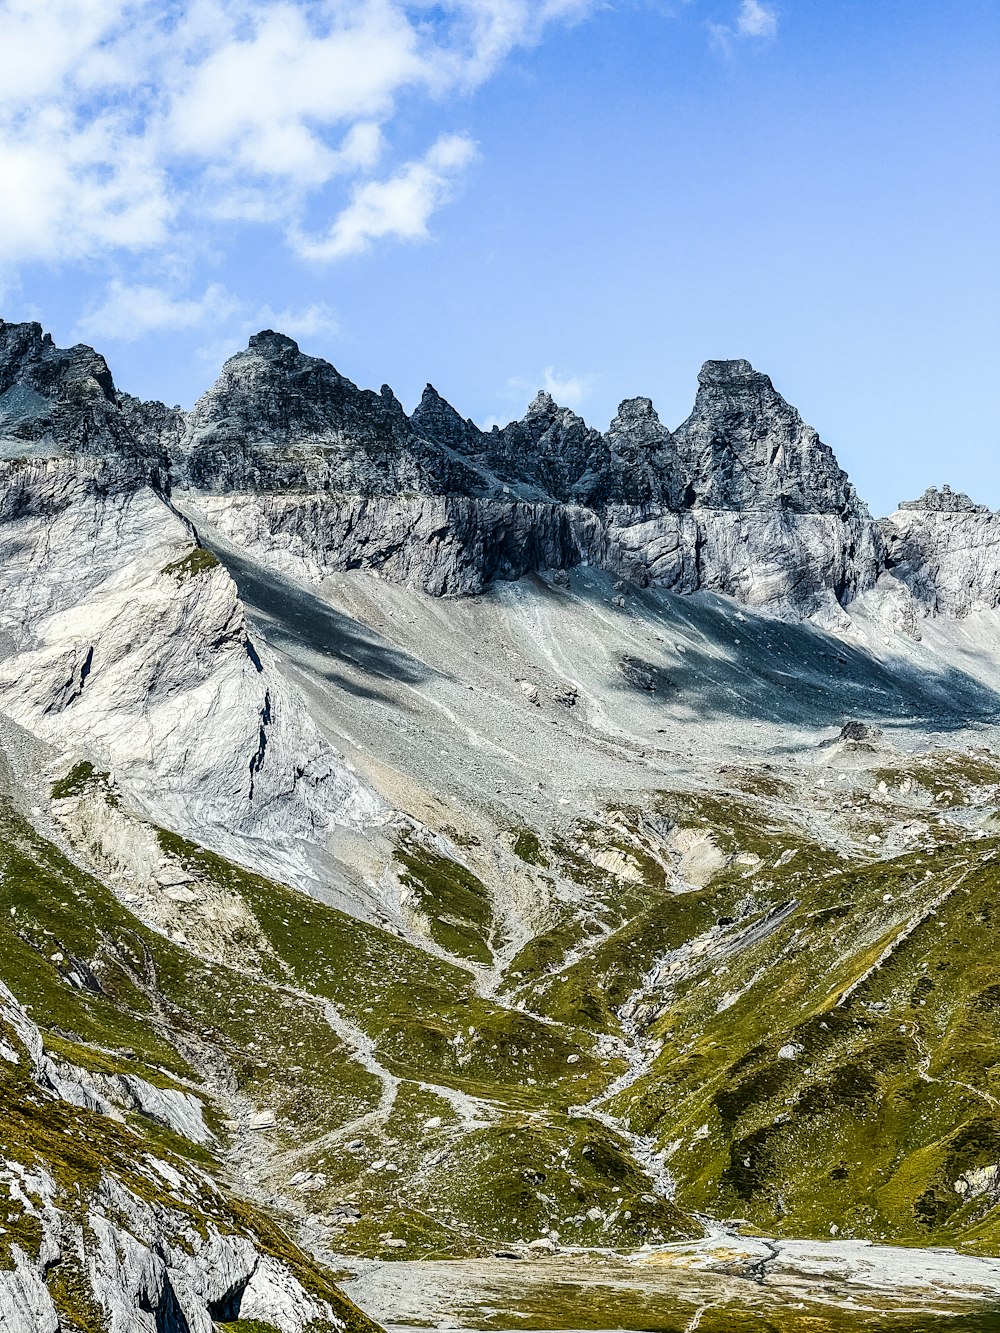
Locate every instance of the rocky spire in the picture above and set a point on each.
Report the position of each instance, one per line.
(646, 453)
(272, 345)
(542, 405)
(745, 447)
(58, 400)
(436, 419)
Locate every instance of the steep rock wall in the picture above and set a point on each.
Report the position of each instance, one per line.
(946, 550)
(285, 456)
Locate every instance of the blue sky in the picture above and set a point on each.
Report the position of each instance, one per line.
(497, 194)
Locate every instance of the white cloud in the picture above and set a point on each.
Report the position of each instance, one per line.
(304, 322)
(756, 20)
(399, 206)
(568, 390)
(129, 312)
(262, 102)
(130, 125)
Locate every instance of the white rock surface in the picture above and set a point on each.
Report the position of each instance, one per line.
(182, 1112)
(149, 1267)
(152, 672)
(25, 1303)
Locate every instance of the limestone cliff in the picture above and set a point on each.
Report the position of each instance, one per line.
(287, 458)
(946, 550)
(124, 640)
(744, 499)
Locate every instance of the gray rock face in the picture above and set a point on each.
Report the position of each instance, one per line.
(289, 459)
(25, 1301)
(555, 451)
(944, 501)
(59, 401)
(744, 448)
(180, 1111)
(946, 551)
(446, 545)
(277, 420)
(745, 499)
(785, 563)
(122, 639)
(146, 1278)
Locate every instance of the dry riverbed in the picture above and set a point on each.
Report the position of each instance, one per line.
(721, 1285)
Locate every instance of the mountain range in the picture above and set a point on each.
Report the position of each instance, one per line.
(427, 841)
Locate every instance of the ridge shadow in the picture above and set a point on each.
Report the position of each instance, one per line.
(295, 621)
(738, 664)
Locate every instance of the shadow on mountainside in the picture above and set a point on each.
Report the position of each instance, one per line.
(737, 664)
(734, 663)
(296, 622)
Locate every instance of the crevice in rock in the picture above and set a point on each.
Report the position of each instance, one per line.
(74, 686)
(227, 1306)
(257, 759)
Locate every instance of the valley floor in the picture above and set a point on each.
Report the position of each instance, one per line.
(721, 1285)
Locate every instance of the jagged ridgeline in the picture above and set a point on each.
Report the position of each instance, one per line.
(421, 841)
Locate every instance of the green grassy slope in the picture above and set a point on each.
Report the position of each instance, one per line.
(808, 1041)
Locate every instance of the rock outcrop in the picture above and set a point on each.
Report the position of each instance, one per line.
(151, 1243)
(287, 458)
(946, 551)
(56, 401)
(445, 545)
(744, 448)
(277, 420)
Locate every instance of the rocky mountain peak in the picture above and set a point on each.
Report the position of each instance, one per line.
(736, 373)
(278, 419)
(435, 419)
(29, 356)
(19, 344)
(745, 397)
(636, 409)
(744, 447)
(743, 498)
(646, 454)
(270, 344)
(57, 400)
(542, 405)
(431, 400)
(945, 501)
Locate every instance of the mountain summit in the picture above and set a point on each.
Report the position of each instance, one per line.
(742, 498)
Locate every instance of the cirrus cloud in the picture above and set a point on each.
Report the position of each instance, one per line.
(756, 20)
